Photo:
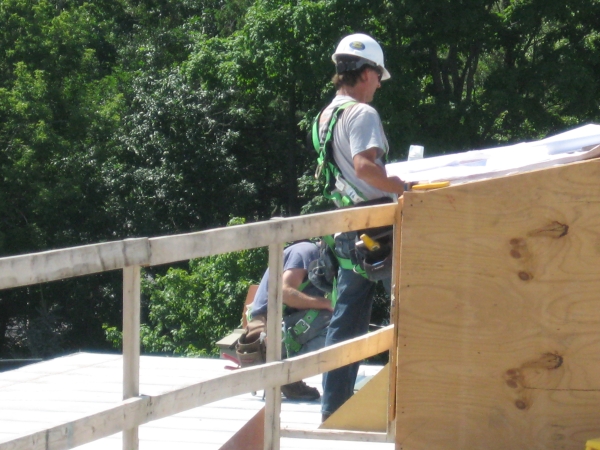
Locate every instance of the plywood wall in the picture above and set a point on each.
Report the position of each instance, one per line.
(499, 314)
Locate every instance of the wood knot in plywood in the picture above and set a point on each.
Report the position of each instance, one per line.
(549, 361)
(520, 404)
(554, 230)
(525, 276)
(513, 378)
(523, 380)
(519, 249)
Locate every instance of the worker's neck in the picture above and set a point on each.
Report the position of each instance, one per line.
(357, 92)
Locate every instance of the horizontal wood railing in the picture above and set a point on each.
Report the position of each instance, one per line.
(54, 265)
(131, 254)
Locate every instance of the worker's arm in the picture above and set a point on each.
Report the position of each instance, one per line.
(372, 173)
(292, 297)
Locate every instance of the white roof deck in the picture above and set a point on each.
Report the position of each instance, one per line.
(48, 393)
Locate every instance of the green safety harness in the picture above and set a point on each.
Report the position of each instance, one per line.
(337, 189)
(292, 335)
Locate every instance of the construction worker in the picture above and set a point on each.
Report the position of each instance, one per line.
(359, 150)
(306, 316)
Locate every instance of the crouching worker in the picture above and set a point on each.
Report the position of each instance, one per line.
(306, 315)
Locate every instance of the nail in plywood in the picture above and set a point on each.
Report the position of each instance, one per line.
(499, 313)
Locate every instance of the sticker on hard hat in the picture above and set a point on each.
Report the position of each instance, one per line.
(357, 45)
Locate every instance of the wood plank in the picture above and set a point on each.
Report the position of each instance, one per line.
(76, 261)
(499, 311)
(395, 296)
(131, 346)
(85, 260)
(335, 435)
(131, 331)
(271, 423)
(223, 240)
(140, 410)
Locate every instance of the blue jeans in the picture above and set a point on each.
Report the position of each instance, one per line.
(316, 343)
(350, 319)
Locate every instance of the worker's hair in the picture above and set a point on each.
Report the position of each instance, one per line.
(345, 77)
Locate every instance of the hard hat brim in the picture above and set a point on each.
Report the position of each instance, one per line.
(385, 74)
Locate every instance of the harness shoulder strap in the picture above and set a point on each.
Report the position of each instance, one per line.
(336, 188)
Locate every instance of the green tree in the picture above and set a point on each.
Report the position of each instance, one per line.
(477, 73)
(59, 106)
(273, 75)
(172, 170)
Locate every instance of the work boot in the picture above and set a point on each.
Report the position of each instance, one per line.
(300, 391)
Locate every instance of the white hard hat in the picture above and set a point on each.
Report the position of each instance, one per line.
(364, 47)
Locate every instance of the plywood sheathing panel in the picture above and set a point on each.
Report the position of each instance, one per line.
(366, 410)
(499, 313)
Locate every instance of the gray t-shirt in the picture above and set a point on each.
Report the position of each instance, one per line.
(358, 129)
(296, 256)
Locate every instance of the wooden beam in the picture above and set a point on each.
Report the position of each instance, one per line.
(223, 240)
(55, 265)
(272, 422)
(395, 299)
(72, 262)
(131, 345)
(335, 435)
(139, 410)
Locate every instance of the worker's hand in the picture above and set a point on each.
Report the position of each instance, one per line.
(323, 303)
(408, 185)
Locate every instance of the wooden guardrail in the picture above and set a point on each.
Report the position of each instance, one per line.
(53, 265)
(131, 254)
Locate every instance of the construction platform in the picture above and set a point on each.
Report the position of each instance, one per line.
(45, 394)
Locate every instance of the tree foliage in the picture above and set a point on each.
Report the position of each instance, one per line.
(150, 117)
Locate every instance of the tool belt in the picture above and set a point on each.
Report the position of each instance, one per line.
(251, 347)
(376, 263)
(303, 326)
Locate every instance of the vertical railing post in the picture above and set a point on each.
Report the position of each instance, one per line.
(274, 317)
(395, 298)
(131, 346)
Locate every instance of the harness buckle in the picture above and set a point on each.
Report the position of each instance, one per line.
(319, 170)
(302, 325)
